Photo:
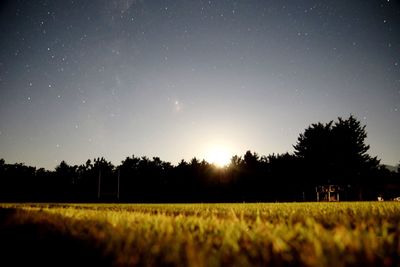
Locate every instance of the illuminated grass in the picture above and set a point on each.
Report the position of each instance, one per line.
(298, 234)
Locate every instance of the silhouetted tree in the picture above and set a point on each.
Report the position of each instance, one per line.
(103, 173)
(336, 153)
(234, 172)
(17, 182)
(284, 182)
(129, 186)
(66, 178)
(314, 147)
(251, 178)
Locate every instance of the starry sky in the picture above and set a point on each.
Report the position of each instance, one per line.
(175, 78)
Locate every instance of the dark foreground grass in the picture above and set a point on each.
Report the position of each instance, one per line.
(295, 234)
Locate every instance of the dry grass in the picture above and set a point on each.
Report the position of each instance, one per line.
(284, 234)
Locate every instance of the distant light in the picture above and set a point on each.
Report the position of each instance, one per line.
(219, 156)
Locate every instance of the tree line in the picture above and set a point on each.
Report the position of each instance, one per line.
(325, 153)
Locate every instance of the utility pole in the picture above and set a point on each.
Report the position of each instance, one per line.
(99, 186)
(329, 194)
(119, 174)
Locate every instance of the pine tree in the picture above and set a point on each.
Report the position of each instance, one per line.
(335, 152)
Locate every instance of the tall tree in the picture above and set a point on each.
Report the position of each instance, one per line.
(351, 156)
(314, 148)
(336, 152)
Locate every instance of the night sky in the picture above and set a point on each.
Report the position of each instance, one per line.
(178, 79)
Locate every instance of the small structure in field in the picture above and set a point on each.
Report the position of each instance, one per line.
(328, 192)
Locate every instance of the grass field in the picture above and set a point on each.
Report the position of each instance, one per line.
(282, 234)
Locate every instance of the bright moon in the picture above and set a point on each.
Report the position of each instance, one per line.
(219, 156)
